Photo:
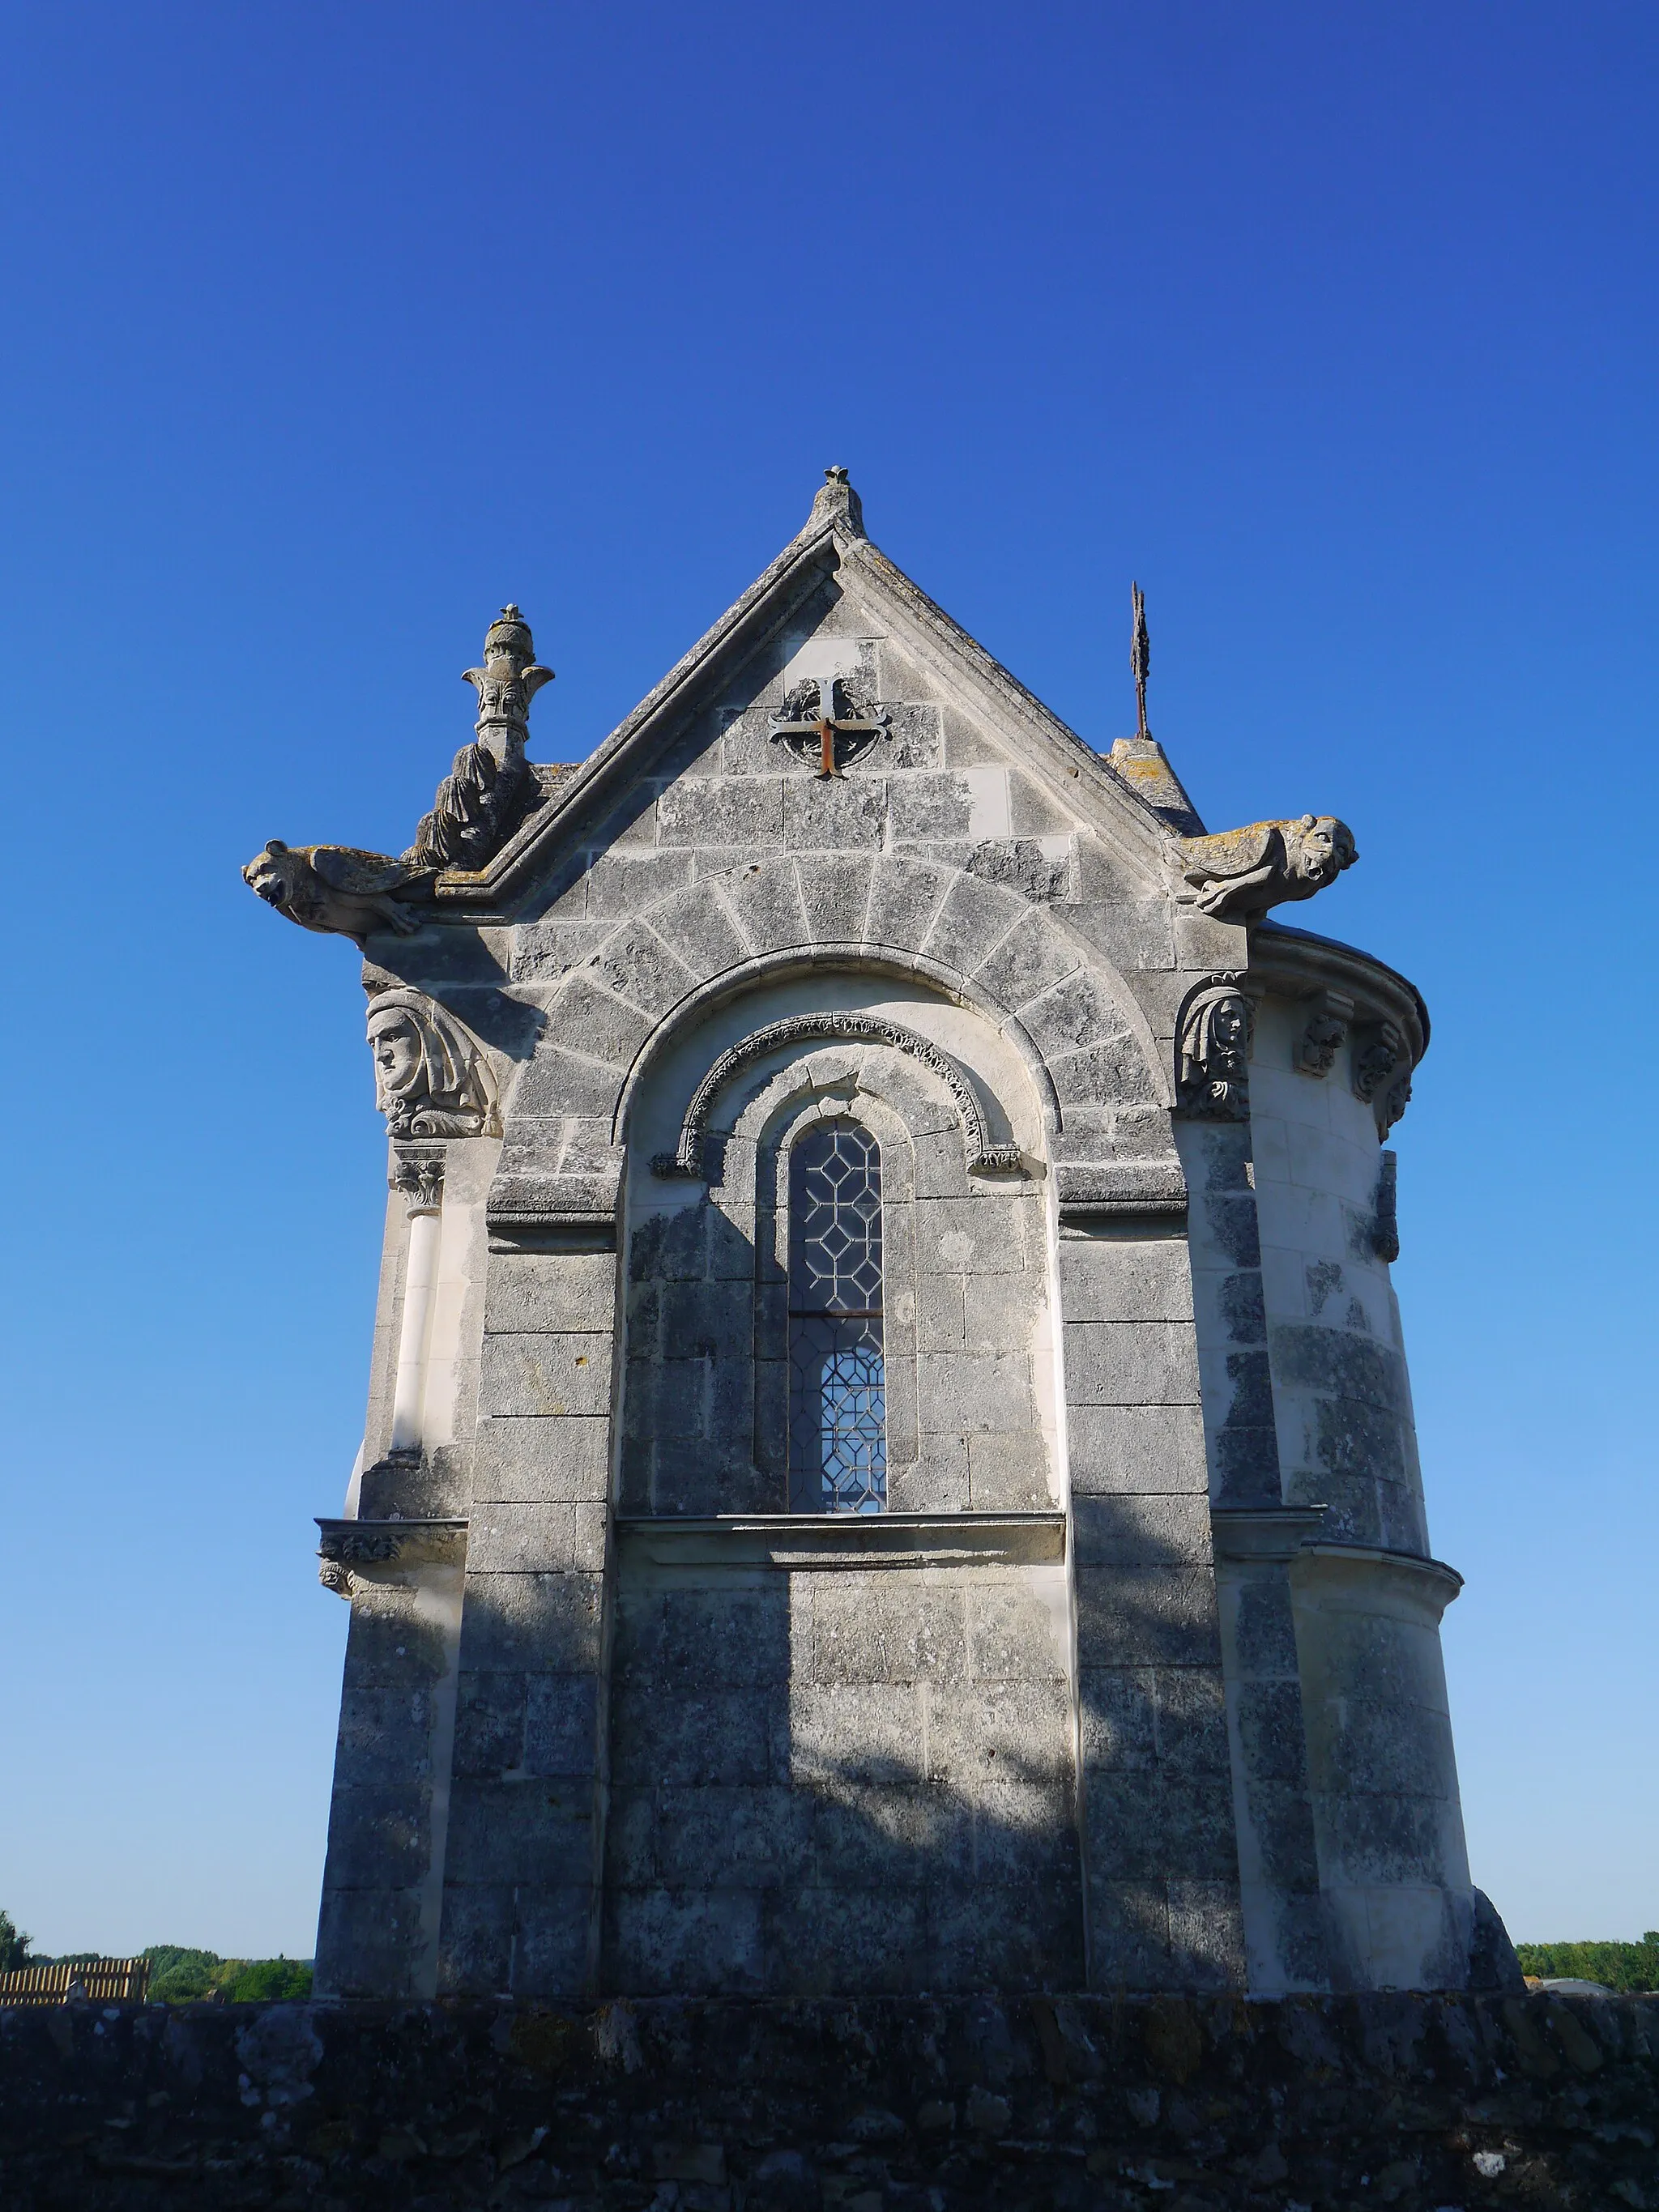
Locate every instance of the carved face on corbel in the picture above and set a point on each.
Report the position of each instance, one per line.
(1215, 1050)
(431, 1076)
(398, 1060)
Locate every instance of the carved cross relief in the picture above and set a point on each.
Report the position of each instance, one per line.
(810, 724)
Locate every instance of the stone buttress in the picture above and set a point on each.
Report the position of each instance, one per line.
(889, 1464)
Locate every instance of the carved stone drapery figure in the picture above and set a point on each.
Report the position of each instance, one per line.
(1237, 874)
(480, 800)
(432, 1079)
(345, 892)
(1213, 1052)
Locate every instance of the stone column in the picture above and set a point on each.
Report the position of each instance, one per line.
(421, 1177)
(522, 1876)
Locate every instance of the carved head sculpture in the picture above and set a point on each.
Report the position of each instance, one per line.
(274, 874)
(431, 1079)
(509, 680)
(1317, 850)
(1215, 1050)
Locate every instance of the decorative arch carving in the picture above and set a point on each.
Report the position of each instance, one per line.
(836, 1027)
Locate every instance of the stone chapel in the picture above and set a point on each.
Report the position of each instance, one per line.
(889, 1465)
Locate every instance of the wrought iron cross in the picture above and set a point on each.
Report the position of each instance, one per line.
(1140, 656)
(826, 729)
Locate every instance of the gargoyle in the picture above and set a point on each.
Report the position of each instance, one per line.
(339, 889)
(1239, 874)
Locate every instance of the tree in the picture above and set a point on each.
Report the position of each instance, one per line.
(14, 1948)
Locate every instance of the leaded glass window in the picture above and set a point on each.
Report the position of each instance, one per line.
(837, 1379)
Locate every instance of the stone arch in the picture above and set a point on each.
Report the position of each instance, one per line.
(982, 1157)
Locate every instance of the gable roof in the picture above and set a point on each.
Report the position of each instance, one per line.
(833, 542)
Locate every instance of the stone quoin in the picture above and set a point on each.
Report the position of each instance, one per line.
(889, 1465)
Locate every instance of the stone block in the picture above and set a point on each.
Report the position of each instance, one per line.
(729, 1637)
(488, 1724)
(555, 1084)
(1137, 1616)
(867, 1941)
(547, 951)
(1130, 1363)
(384, 1736)
(924, 805)
(1014, 1635)
(973, 920)
(552, 1924)
(525, 1374)
(864, 1630)
(370, 1942)
(1117, 1712)
(1129, 1935)
(836, 890)
(841, 813)
(662, 1942)
(1119, 1448)
(905, 895)
(635, 963)
(541, 1624)
(630, 1832)
(999, 1732)
(1134, 935)
(1030, 959)
(746, 1838)
(590, 1023)
(1111, 1278)
(1075, 1012)
(1002, 1311)
(1112, 1072)
(389, 1642)
(1151, 1825)
(621, 883)
(538, 1460)
(701, 1737)
(959, 1395)
(549, 1293)
(1010, 1473)
(765, 901)
(1206, 1935)
(523, 1539)
(855, 1732)
(993, 1232)
(1141, 1529)
(740, 811)
(518, 1831)
(697, 926)
(709, 1319)
(474, 1951)
(380, 1836)
(903, 1839)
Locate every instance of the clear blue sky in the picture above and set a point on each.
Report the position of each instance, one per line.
(328, 329)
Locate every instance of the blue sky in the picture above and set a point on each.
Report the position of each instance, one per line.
(327, 329)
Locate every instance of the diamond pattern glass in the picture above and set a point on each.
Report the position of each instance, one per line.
(837, 1379)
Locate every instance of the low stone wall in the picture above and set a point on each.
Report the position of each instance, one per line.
(1088, 2102)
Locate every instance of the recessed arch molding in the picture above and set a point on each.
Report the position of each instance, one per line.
(839, 1027)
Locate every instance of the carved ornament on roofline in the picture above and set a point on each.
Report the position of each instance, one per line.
(344, 891)
(1382, 1072)
(1212, 1050)
(687, 1158)
(1236, 875)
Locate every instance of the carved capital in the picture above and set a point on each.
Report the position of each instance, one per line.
(1212, 1050)
(420, 1176)
(432, 1076)
(349, 1551)
(1324, 1033)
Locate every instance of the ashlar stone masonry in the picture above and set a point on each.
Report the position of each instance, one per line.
(889, 1465)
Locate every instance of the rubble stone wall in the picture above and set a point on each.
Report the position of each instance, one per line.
(1422, 2103)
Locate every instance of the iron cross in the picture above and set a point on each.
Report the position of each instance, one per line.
(1140, 655)
(828, 728)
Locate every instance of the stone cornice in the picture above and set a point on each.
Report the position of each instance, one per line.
(350, 1549)
(795, 1541)
(1295, 964)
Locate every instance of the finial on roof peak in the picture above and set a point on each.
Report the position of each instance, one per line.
(837, 504)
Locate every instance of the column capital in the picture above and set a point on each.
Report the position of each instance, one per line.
(419, 1173)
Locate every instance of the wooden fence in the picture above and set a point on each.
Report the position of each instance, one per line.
(106, 1981)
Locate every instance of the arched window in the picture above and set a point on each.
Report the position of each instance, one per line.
(837, 1380)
